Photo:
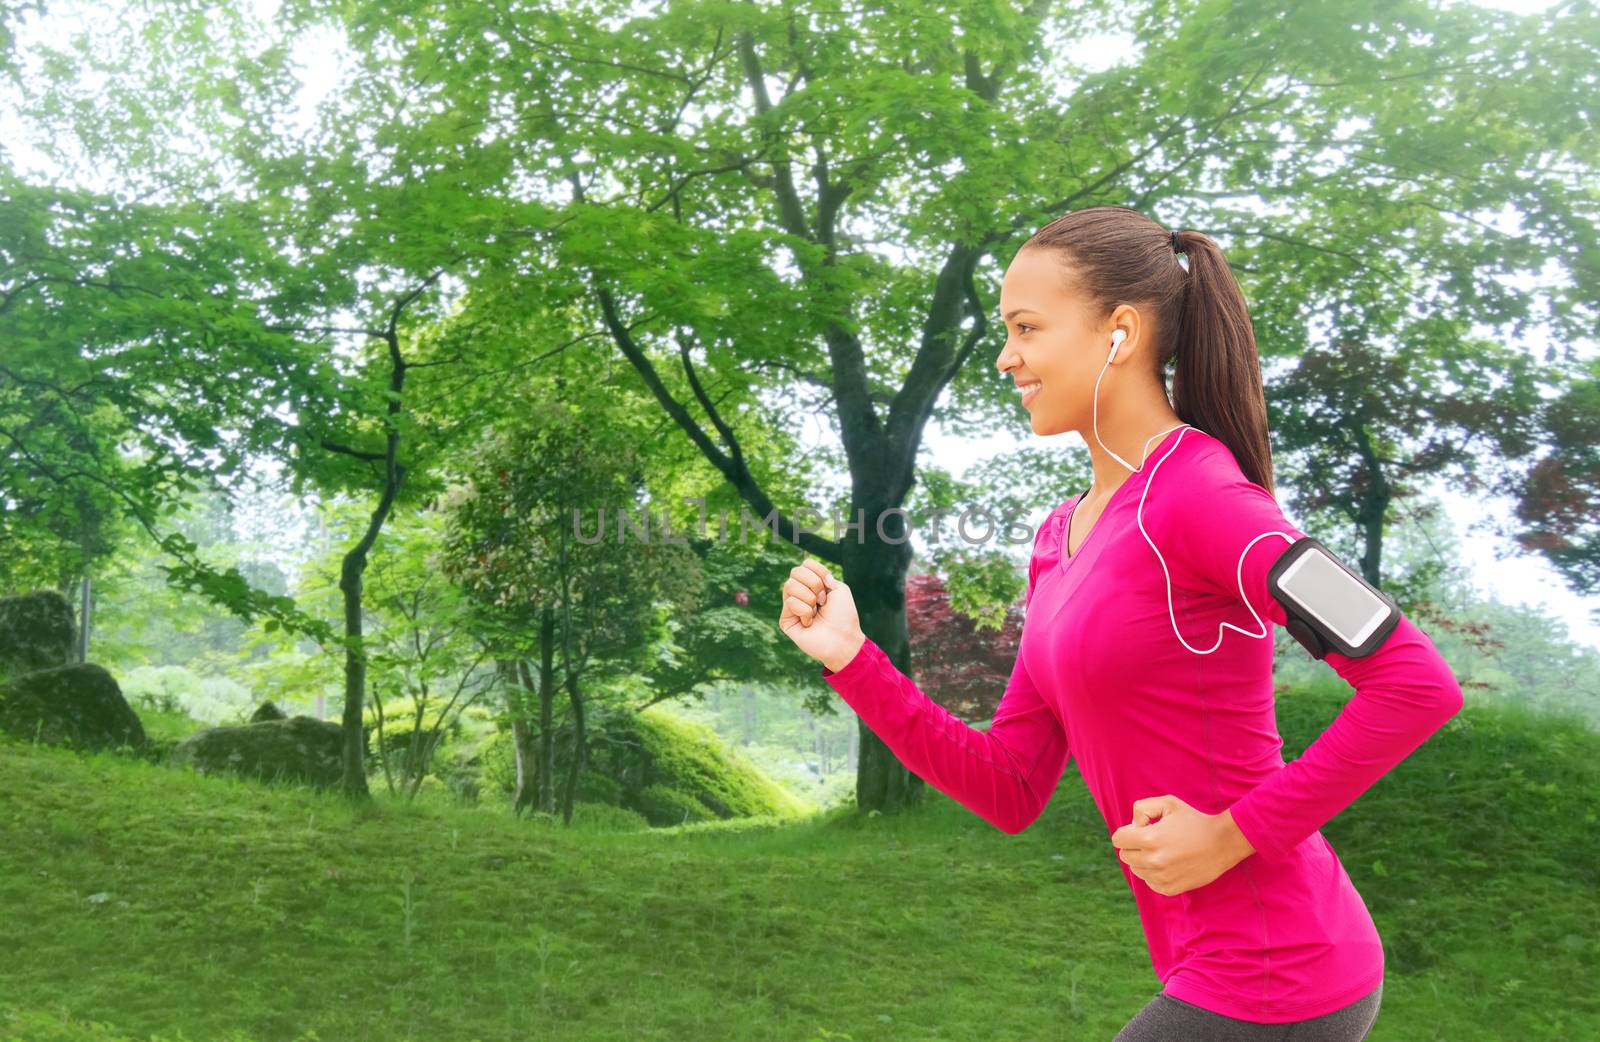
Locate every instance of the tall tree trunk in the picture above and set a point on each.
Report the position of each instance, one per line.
(354, 780)
(355, 656)
(577, 761)
(85, 602)
(1373, 506)
(877, 578)
(350, 584)
(569, 674)
(535, 751)
(547, 710)
(520, 697)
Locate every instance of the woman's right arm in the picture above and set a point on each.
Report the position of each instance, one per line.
(1005, 775)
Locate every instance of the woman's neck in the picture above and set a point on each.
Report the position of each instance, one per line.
(1132, 437)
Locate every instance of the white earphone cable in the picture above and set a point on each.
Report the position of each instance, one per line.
(1172, 616)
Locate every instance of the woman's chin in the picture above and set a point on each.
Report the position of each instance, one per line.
(1043, 425)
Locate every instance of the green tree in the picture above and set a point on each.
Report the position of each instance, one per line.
(1559, 496)
(711, 188)
(562, 612)
(426, 660)
(729, 174)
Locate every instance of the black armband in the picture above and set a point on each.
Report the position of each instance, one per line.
(1330, 606)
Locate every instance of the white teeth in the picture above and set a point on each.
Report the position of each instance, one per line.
(1027, 387)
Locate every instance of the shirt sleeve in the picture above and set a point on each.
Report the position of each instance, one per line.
(1005, 775)
(1404, 690)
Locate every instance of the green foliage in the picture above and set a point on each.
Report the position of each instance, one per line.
(597, 788)
(412, 746)
(662, 805)
(401, 717)
(643, 617)
(142, 368)
(982, 587)
(176, 689)
(496, 757)
(230, 589)
(510, 542)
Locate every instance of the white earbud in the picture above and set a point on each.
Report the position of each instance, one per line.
(1117, 337)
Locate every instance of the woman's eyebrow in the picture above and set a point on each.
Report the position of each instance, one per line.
(1014, 312)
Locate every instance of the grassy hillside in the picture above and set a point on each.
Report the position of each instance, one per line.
(144, 903)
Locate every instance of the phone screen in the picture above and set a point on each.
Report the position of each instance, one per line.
(1333, 596)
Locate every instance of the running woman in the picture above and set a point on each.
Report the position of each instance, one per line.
(1148, 659)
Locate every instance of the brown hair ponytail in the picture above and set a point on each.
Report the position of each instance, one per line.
(1117, 255)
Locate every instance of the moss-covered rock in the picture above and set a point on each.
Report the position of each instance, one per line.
(300, 748)
(78, 705)
(268, 710)
(653, 762)
(692, 759)
(36, 632)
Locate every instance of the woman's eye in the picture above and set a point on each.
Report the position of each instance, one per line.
(1021, 327)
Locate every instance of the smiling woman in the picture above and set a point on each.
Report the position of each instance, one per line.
(1107, 278)
(1253, 927)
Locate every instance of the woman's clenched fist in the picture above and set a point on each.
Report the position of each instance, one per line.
(819, 615)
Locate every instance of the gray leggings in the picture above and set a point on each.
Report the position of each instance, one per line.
(1166, 1019)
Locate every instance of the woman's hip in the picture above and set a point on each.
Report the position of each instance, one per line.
(1165, 1018)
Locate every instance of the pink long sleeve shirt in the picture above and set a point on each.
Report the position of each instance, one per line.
(1101, 679)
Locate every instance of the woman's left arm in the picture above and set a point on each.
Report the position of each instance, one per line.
(1404, 690)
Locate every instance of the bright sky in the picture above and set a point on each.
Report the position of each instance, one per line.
(1516, 579)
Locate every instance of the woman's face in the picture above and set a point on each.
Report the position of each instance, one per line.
(1052, 342)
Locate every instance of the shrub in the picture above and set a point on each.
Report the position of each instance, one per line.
(661, 805)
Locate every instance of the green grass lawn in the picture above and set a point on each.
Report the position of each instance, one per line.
(141, 903)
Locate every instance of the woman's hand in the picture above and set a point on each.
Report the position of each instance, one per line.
(819, 615)
(1185, 849)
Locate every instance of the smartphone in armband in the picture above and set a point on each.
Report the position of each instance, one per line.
(1330, 606)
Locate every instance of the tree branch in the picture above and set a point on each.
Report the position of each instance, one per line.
(733, 469)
